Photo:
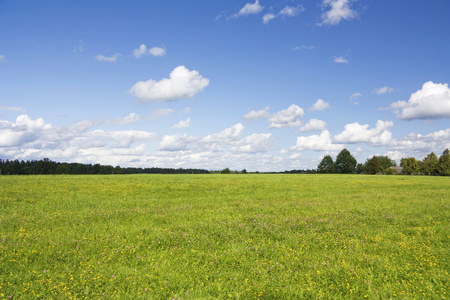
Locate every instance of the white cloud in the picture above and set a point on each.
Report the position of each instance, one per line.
(268, 17)
(139, 52)
(355, 95)
(287, 117)
(357, 133)
(383, 90)
(430, 102)
(112, 59)
(320, 142)
(2, 58)
(143, 51)
(250, 9)
(228, 135)
(340, 60)
(339, 10)
(12, 108)
(157, 51)
(258, 142)
(161, 113)
(287, 11)
(183, 124)
(132, 118)
(256, 115)
(181, 84)
(176, 142)
(314, 125)
(319, 105)
(302, 47)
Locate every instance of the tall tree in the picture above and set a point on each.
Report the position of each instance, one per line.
(410, 165)
(345, 162)
(373, 165)
(429, 164)
(444, 163)
(385, 162)
(326, 165)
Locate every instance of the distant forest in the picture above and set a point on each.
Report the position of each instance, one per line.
(46, 166)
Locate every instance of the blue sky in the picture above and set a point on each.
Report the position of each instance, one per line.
(260, 85)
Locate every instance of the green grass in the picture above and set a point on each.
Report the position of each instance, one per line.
(224, 237)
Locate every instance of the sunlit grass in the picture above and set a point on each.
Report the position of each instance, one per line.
(224, 237)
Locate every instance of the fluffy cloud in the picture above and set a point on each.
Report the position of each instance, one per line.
(228, 135)
(183, 124)
(287, 117)
(181, 84)
(355, 95)
(356, 133)
(256, 115)
(430, 102)
(320, 142)
(314, 125)
(320, 105)
(143, 51)
(423, 144)
(268, 17)
(111, 59)
(339, 10)
(383, 90)
(176, 142)
(257, 142)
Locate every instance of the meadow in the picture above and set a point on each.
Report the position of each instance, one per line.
(252, 236)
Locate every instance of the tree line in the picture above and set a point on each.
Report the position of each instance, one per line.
(346, 164)
(46, 166)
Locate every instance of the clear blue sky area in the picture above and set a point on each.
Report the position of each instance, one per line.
(259, 85)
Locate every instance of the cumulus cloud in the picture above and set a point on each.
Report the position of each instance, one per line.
(315, 142)
(287, 117)
(228, 135)
(256, 115)
(319, 105)
(314, 125)
(183, 124)
(357, 133)
(176, 142)
(111, 59)
(257, 142)
(383, 90)
(430, 102)
(182, 83)
(143, 51)
(338, 10)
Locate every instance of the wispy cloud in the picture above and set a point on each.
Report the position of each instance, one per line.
(111, 59)
(249, 9)
(384, 90)
(287, 12)
(302, 47)
(340, 60)
(2, 58)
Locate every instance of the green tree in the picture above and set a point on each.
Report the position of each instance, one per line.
(345, 162)
(373, 165)
(444, 163)
(385, 162)
(429, 164)
(410, 165)
(326, 165)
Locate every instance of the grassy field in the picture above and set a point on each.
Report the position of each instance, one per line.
(224, 237)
